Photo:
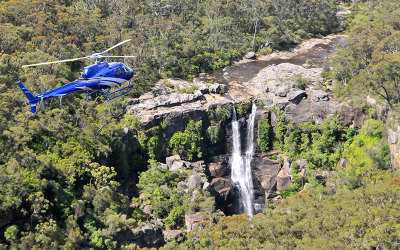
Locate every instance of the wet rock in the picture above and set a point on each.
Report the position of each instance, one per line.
(194, 181)
(170, 159)
(296, 96)
(250, 55)
(192, 220)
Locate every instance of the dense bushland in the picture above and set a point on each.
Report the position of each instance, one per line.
(369, 62)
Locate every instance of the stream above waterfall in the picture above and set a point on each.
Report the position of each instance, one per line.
(315, 51)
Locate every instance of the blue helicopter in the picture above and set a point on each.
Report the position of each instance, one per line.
(101, 78)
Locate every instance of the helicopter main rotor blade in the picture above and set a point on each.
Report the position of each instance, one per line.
(60, 61)
(120, 56)
(113, 47)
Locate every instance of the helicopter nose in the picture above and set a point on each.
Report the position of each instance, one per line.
(129, 75)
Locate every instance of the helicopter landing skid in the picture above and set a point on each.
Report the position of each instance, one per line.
(109, 95)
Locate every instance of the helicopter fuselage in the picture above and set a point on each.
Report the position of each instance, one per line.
(103, 75)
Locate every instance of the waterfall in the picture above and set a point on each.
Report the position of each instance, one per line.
(241, 164)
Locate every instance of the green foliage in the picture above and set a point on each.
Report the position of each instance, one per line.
(370, 67)
(188, 144)
(301, 82)
(280, 129)
(321, 144)
(243, 108)
(367, 154)
(188, 90)
(264, 135)
(366, 217)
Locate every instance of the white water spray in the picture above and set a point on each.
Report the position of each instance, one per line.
(241, 164)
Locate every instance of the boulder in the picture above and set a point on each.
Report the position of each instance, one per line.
(177, 165)
(281, 94)
(283, 180)
(192, 220)
(206, 186)
(163, 166)
(149, 235)
(266, 171)
(296, 96)
(170, 234)
(217, 170)
(132, 101)
(301, 163)
(217, 88)
(343, 163)
(317, 95)
(147, 209)
(181, 184)
(250, 55)
(350, 116)
(221, 187)
(170, 159)
(194, 181)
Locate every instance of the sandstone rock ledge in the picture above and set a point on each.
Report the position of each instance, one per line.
(298, 93)
(164, 103)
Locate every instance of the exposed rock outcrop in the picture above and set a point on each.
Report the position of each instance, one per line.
(192, 220)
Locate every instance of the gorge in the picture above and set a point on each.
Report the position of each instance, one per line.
(249, 126)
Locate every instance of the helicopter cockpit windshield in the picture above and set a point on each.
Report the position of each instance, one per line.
(127, 69)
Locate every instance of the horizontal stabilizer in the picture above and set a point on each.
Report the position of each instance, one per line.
(26, 91)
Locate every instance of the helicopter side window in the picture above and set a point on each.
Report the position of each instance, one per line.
(84, 73)
(118, 72)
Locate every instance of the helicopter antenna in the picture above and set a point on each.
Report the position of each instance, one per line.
(95, 56)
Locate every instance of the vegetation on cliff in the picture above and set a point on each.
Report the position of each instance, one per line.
(73, 176)
(369, 62)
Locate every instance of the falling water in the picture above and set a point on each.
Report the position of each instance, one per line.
(241, 164)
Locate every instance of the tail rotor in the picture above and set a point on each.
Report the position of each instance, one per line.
(41, 97)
